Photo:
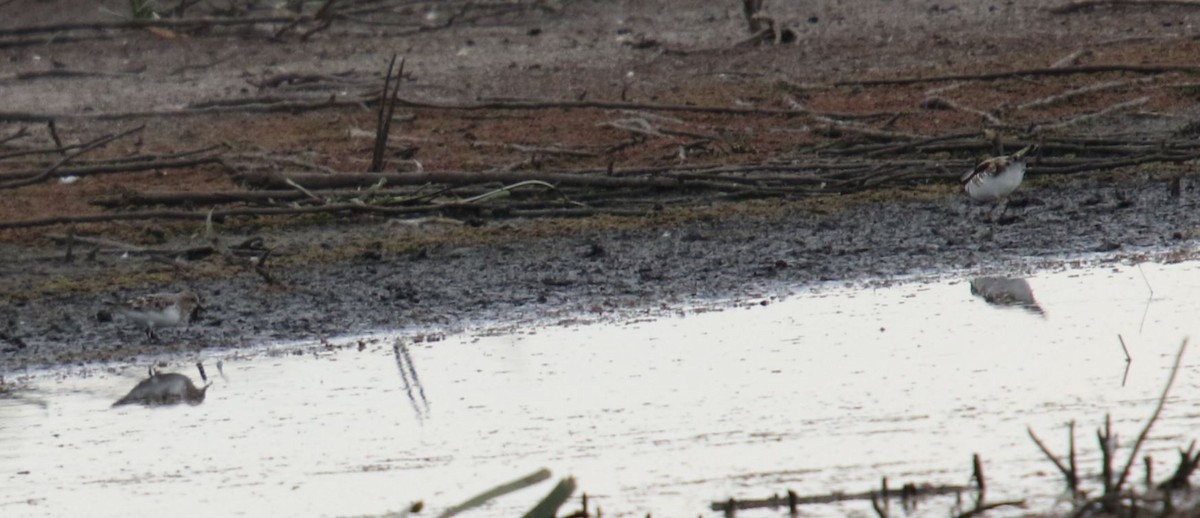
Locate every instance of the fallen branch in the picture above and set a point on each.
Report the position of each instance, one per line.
(21, 132)
(1097, 114)
(1070, 474)
(1078, 92)
(132, 249)
(256, 105)
(498, 491)
(942, 103)
(167, 23)
(994, 505)
(1072, 7)
(539, 150)
(345, 180)
(1060, 71)
(120, 167)
(95, 144)
(332, 208)
(650, 107)
(777, 501)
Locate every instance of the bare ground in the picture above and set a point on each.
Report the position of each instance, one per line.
(805, 101)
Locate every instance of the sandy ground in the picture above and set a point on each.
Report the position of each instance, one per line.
(341, 275)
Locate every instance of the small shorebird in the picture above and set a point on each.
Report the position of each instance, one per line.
(995, 178)
(161, 310)
(166, 389)
(1003, 291)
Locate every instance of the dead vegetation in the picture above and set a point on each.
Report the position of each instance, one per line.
(1117, 497)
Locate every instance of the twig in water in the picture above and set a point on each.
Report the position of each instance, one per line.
(1128, 360)
(980, 510)
(548, 507)
(1187, 464)
(884, 510)
(1072, 480)
(503, 489)
(1137, 445)
(980, 483)
(1073, 475)
(1108, 443)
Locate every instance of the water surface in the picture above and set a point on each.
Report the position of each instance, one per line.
(828, 390)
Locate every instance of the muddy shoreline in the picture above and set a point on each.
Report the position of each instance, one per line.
(763, 104)
(629, 266)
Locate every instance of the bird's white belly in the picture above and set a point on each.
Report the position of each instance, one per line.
(994, 187)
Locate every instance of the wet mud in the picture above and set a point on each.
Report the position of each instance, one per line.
(629, 266)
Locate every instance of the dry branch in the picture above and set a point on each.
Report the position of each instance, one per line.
(1097, 114)
(386, 109)
(251, 105)
(776, 501)
(95, 144)
(166, 23)
(1162, 400)
(120, 167)
(1069, 474)
(1072, 7)
(650, 107)
(350, 180)
(132, 249)
(937, 102)
(503, 489)
(1061, 71)
(330, 208)
(129, 199)
(1077, 92)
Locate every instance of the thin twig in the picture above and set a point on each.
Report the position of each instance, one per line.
(1096, 114)
(1137, 445)
(95, 144)
(1081, 5)
(1061, 71)
(1046, 451)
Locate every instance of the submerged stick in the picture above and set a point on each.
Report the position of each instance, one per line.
(1162, 400)
(503, 489)
(548, 507)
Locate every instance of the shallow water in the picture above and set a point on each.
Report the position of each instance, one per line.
(828, 390)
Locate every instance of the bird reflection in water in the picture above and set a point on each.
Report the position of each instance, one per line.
(1002, 291)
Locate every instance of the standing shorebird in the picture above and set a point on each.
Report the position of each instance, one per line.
(995, 178)
(161, 310)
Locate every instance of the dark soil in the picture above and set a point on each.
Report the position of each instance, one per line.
(347, 274)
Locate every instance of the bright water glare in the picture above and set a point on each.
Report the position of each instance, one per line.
(827, 390)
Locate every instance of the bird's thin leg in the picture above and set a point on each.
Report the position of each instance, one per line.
(150, 335)
(987, 215)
